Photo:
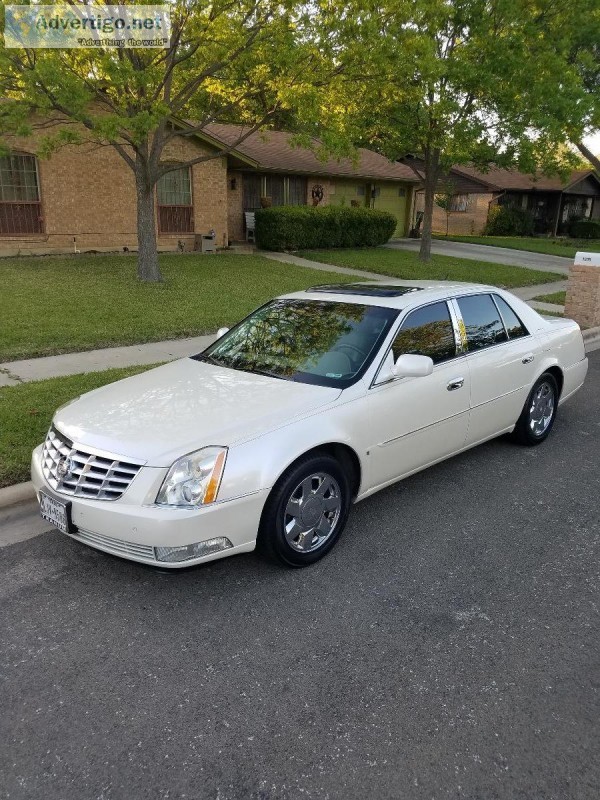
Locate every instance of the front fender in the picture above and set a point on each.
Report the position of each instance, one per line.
(257, 464)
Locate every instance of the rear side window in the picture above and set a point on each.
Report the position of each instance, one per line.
(512, 323)
(483, 325)
(427, 331)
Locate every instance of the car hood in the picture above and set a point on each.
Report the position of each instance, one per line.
(172, 410)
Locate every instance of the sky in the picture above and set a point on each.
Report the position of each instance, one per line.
(593, 142)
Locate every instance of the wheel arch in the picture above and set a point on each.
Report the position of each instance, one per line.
(557, 374)
(346, 456)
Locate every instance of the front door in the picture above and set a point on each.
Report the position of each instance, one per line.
(413, 422)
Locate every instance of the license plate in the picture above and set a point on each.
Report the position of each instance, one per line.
(57, 512)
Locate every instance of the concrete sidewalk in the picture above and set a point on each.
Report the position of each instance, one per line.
(38, 369)
(287, 258)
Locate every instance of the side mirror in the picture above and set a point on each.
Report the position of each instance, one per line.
(221, 332)
(412, 366)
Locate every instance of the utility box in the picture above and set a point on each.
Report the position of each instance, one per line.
(206, 243)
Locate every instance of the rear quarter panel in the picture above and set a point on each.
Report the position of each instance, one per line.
(562, 345)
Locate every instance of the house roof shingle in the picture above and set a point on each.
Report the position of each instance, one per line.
(273, 151)
(507, 179)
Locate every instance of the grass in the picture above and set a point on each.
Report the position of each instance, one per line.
(551, 247)
(405, 264)
(551, 313)
(557, 297)
(63, 304)
(26, 411)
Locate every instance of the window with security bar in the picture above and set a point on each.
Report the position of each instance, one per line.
(461, 202)
(20, 206)
(175, 205)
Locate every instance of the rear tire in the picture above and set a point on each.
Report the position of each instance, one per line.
(539, 412)
(306, 512)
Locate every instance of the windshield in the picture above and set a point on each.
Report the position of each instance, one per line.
(311, 341)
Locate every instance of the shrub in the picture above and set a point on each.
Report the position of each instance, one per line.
(585, 229)
(507, 221)
(310, 227)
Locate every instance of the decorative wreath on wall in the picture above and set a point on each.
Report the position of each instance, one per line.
(317, 193)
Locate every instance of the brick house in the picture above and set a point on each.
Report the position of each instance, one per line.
(552, 201)
(83, 197)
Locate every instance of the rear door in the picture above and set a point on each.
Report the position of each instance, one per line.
(501, 362)
(413, 422)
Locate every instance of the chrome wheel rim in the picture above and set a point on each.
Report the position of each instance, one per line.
(312, 512)
(542, 409)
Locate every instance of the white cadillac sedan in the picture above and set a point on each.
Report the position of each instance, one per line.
(316, 400)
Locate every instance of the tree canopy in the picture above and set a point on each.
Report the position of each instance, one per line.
(243, 61)
(469, 81)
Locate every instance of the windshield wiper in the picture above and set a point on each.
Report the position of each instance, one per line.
(209, 360)
(266, 372)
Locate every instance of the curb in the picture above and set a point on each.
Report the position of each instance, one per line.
(591, 335)
(19, 493)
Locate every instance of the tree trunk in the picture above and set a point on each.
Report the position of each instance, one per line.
(585, 151)
(147, 267)
(432, 162)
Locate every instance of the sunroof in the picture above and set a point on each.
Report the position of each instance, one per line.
(369, 289)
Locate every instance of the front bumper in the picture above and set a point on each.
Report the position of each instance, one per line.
(133, 526)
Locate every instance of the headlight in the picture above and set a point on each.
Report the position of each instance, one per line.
(194, 479)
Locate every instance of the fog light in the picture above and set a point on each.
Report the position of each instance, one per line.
(189, 551)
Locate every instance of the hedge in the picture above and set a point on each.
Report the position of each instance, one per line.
(310, 227)
(585, 229)
(508, 221)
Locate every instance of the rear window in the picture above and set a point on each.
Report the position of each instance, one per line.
(483, 325)
(514, 326)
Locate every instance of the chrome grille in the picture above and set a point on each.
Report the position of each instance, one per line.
(118, 546)
(88, 475)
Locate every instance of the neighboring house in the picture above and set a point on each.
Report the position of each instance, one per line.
(552, 202)
(83, 197)
(292, 176)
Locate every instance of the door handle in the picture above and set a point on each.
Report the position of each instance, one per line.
(528, 358)
(455, 383)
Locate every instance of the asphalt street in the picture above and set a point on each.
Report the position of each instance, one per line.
(449, 647)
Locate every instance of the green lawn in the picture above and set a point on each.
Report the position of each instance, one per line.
(405, 264)
(556, 297)
(551, 247)
(64, 304)
(26, 411)
(551, 313)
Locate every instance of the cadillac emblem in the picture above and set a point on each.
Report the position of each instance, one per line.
(65, 468)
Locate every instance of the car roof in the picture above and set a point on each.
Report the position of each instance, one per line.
(389, 294)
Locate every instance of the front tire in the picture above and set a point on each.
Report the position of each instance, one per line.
(306, 512)
(539, 412)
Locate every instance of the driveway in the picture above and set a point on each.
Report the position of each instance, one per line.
(495, 255)
(448, 648)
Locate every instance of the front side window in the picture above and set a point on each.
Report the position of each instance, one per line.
(514, 326)
(483, 325)
(428, 331)
(310, 341)
(175, 208)
(20, 207)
